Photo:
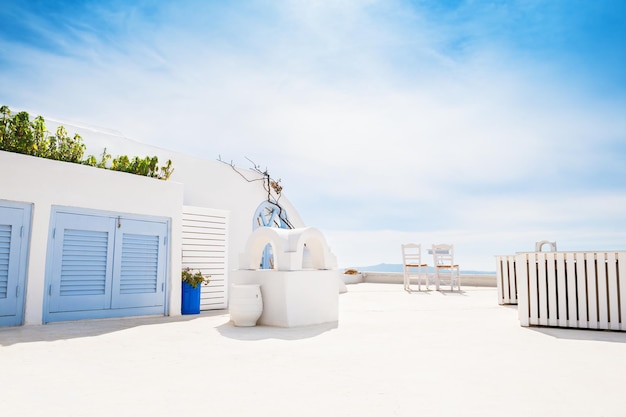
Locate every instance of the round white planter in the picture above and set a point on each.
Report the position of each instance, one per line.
(245, 305)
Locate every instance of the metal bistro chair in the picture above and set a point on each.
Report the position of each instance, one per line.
(413, 266)
(445, 268)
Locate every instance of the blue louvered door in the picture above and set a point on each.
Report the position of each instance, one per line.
(82, 268)
(139, 265)
(106, 266)
(13, 237)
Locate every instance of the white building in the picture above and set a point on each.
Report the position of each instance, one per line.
(69, 232)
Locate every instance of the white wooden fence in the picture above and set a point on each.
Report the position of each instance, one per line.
(572, 289)
(506, 279)
(205, 243)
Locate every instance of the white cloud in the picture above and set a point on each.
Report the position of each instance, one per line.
(366, 112)
(481, 228)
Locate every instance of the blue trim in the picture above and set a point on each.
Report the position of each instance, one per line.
(104, 314)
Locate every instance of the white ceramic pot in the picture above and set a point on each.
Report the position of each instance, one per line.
(245, 304)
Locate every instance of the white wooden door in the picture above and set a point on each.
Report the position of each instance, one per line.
(205, 248)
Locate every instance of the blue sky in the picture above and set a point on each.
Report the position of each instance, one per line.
(487, 124)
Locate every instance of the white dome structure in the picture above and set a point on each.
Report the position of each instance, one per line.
(303, 286)
(290, 248)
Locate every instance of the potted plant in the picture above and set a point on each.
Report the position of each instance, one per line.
(191, 282)
(352, 276)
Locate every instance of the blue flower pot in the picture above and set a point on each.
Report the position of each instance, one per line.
(191, 299)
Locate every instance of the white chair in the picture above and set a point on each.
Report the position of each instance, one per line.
(413, 266)
(445, 268)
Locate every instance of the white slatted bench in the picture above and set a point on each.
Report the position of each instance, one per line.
(506, 279)
(572, 289)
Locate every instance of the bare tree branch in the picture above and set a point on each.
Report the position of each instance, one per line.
(232, 165)
(269, 184)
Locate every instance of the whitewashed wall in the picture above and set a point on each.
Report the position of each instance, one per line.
(207, 182)
(195, 182)
(46, 183)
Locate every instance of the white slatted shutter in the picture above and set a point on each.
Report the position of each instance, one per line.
(205, 242)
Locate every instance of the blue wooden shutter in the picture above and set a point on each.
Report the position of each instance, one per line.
(82, 268)
(139, 266)
(11, 291)
(5, 253)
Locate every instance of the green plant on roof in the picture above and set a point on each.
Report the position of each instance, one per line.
(21, 135)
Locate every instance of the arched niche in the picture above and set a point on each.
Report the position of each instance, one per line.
(269, 214)
(288, 246)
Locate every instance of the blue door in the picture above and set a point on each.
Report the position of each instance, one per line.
(106, 266)
(139, 265)
(14, 232)
(82, 271)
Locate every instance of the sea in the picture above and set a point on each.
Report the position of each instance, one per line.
(399, 268)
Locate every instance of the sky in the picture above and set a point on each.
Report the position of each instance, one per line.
(490, 125)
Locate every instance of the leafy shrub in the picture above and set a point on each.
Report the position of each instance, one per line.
(194, 278)
(18, 134)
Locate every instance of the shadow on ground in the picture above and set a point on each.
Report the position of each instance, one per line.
(88, 328)
(582, 334)
(268, 332)
(576, 334)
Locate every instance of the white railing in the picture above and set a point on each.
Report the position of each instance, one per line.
(572, 289)
(506, 279)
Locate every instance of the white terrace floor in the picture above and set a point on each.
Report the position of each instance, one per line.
(392, 354)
